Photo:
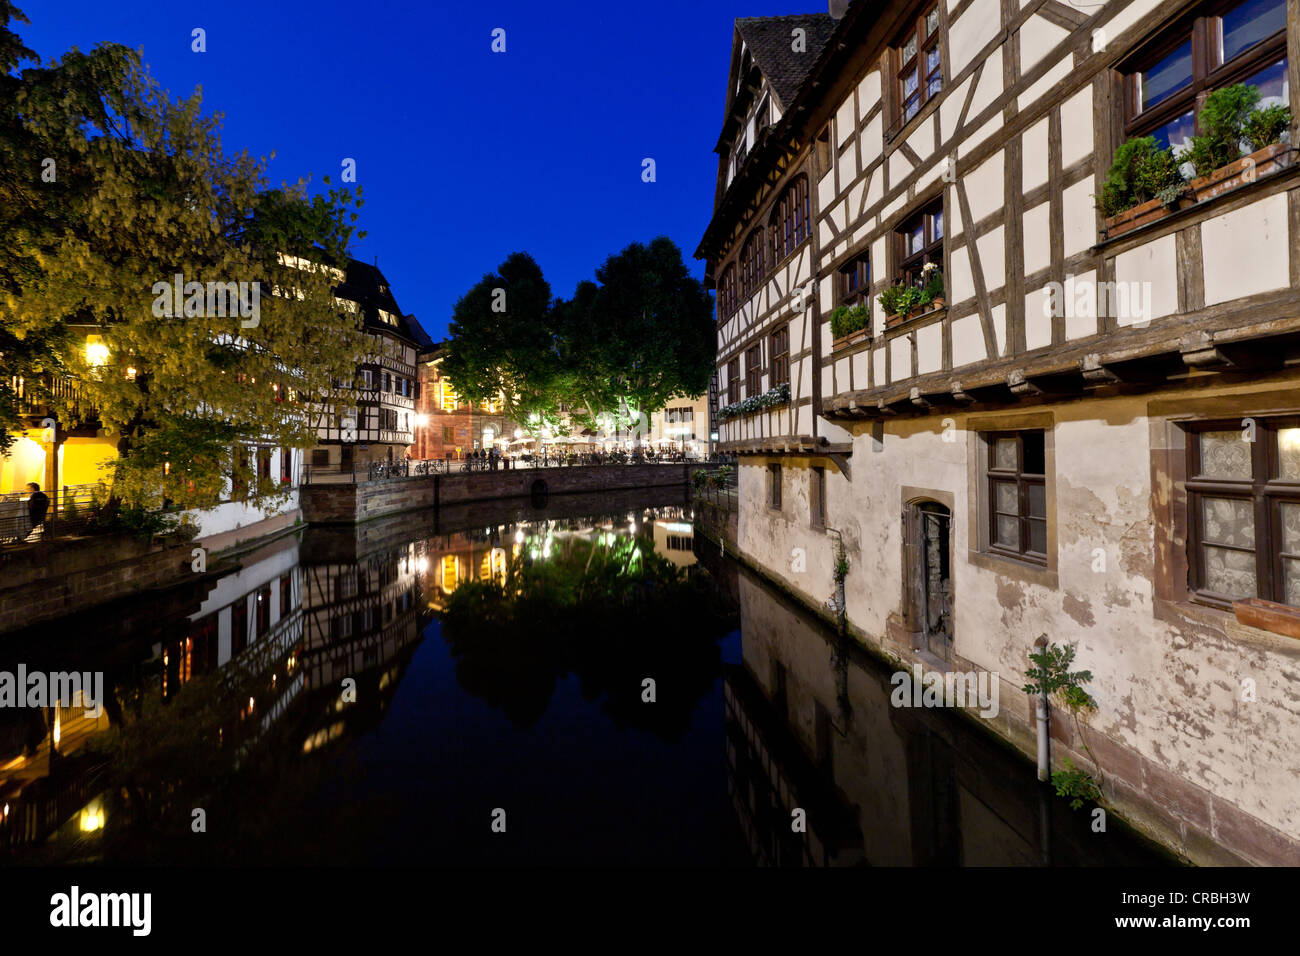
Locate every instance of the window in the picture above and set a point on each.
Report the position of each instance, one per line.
(1220, 44)
(774, 487)
(263, 610)
(790, 219)
(286, 594)
(727, 302)
(239, 625)
(822, 147)
(817, 498)
(264, 464)
(855, 281)
(1244, 499)
(448, 434)
(780, 348)
(920, 240)
(286, 466)
(751, 264)
(1017, 494)
(920, 71)
(753, 371)
(733, 381)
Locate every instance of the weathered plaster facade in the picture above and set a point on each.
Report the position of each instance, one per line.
(1198, 726)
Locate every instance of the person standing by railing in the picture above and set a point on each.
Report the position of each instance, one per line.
(38, 505)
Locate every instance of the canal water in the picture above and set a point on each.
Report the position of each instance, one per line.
(579, 681)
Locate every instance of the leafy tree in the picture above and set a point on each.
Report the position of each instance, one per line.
(640, 336)
(624, 345)
(502, 343)
(143, 191)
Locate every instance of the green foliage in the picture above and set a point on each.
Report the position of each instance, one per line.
(933, 287)
(1051, 674)
(1140, 172)
(1075, 784)
(1266, 125)
(639, 336)
(779, 395)
(1222, 122)
(143, 190)
(901, 299)
(846, 320)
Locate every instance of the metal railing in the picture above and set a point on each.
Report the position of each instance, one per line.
(418, 468)
(70, 509)
(718, 486)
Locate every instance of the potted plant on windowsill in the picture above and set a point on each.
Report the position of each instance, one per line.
(1142, 186)
(901, 303)
(850, 324)
(1232, 122)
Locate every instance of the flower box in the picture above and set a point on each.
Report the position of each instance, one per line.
(1225, 179)
(1153, 210)
(898, 318)
(859, 335)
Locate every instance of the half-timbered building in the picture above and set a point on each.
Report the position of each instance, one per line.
(371, 418)
(1047, 421)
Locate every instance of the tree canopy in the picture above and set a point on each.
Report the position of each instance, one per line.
(109, 187)
(622, 346)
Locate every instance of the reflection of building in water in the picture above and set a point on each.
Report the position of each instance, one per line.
(358, 615)
(675, 540)
(809, 725)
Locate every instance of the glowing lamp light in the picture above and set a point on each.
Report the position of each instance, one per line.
(92, 817)
(421, 420)
(422, 564)
(519, 536)
(96, 351)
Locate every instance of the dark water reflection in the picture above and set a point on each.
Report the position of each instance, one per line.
(332, 700)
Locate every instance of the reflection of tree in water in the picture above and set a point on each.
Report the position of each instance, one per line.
(605, 608)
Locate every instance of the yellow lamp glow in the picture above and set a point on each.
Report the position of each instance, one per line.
(96, 351)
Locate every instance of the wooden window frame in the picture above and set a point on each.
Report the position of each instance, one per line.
(925, 42)
(754, 370)
(854, 281)
(817, 497)
(1023, 481)
(733, 381)
(751, 256)
(910, 265)
(1203, 28)
(779, 346)
(774, 479)
(727, 303)
(824, 152)
(1265, 491)
(789, 222)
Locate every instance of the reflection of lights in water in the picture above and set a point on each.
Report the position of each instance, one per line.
(6, 809)
(250, 705)
(422, 564)
(631, 526)
(519, 536)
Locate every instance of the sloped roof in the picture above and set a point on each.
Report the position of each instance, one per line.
(365, 285)
(770, 41)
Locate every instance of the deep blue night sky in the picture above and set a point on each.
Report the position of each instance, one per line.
(464, 155)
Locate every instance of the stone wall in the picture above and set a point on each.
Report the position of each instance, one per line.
(44, 580)
(348, 504)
